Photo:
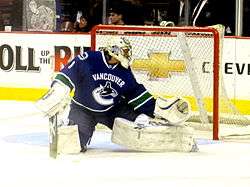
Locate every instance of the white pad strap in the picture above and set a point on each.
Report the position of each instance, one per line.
(55, 100)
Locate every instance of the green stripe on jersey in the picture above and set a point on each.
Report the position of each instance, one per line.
(138, 101)
(65, 80)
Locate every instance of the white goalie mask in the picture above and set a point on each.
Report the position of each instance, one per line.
(121, 49)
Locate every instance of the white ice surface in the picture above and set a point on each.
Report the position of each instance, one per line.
(24, 160)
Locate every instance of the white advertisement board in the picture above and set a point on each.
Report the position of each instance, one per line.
(28, 60)
(236, 67)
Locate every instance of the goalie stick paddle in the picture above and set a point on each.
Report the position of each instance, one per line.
(53, 136)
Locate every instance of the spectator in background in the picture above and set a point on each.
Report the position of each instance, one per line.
(129, 12)
(116, 16)
(82, 25)
(67, 26)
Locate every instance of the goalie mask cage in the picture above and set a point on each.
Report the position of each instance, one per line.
(185, 62)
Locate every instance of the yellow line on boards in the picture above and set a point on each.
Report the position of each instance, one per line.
(32, 94)
(21, 94)
(226, 106)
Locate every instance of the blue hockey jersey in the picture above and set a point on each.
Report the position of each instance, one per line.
(99, 86)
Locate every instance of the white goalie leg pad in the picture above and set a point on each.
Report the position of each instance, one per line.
(55, 100)
(153, 138)
(175, 110)
(68, 140)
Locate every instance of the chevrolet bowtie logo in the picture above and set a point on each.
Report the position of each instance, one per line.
(158, 65)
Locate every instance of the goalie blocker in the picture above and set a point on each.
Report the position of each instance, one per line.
(153, 137)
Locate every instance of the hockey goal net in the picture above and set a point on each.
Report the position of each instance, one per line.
(186, 62)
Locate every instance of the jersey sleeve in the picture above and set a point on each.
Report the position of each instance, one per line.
(70, 74)
(140, 99)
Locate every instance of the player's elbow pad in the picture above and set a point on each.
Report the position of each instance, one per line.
(175, 110)
(55, 100)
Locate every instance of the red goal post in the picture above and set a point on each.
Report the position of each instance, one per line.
(187, 59)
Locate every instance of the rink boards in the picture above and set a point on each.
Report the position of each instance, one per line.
(28, 62)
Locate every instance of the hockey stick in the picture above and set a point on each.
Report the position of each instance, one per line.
(53, 136)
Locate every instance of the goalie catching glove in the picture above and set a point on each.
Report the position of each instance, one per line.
(174, 110)
(55, 100)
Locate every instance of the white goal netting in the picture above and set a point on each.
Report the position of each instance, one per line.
(186, 62)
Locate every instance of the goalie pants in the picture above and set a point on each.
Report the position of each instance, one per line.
(87, 120)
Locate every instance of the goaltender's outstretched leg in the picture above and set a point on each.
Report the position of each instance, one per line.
(175, 110)
(153, 137)
(165, 132)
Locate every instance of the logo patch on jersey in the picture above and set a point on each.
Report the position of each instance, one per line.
(104, 95)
